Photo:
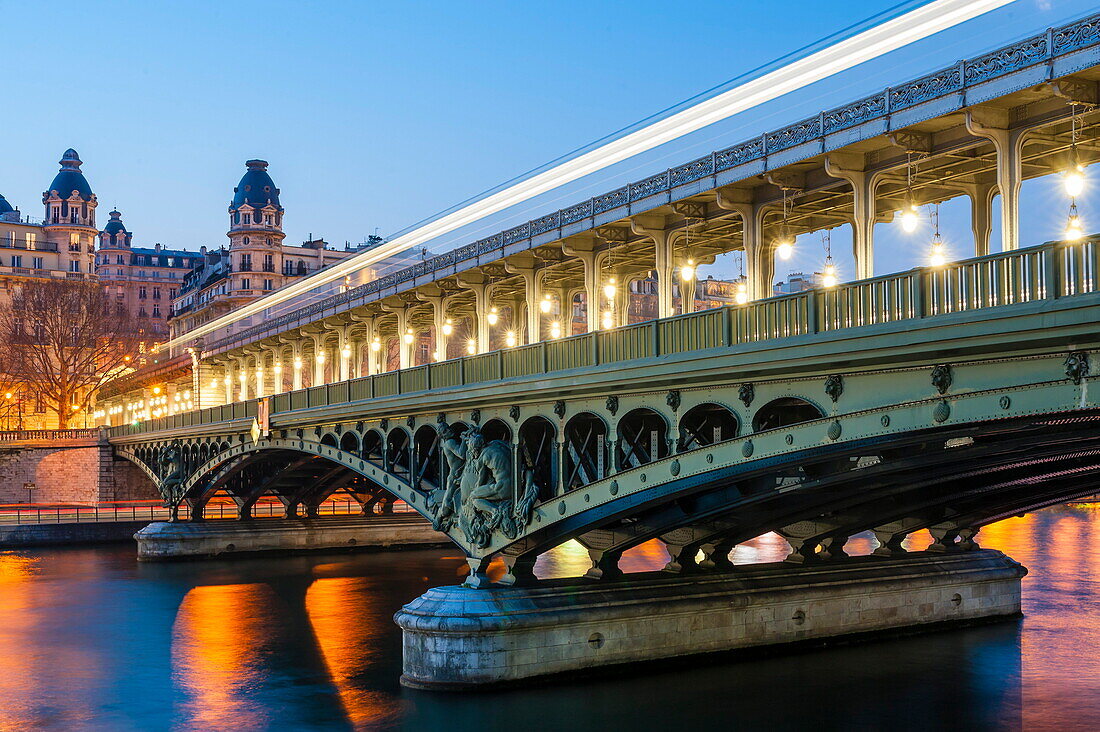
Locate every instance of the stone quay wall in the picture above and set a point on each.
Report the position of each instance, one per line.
(81, 471)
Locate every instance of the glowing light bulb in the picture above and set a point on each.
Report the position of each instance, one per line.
(608, 320)
(546, 304)
(828, 278)
(609, 289)
(742, 294)
(447, 328)
(436, 356)
(376, 345)
(1073, 180)
(321, 357)
(345, 351)
(785, 249)
(156, 390)
(227, 381)
(408, 337)
(297, 363)
(510, 339)
(278, 368)
(1074, 228)
(471, 347)
(910, 219)
(555, 329)
(492, 317)
(687, 272)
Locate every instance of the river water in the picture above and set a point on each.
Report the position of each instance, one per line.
(91, 639)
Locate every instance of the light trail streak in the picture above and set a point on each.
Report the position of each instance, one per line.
(891, 35)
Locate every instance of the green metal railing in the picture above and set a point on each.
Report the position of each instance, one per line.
(1052, 270)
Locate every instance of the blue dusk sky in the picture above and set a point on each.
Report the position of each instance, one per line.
(376, 115)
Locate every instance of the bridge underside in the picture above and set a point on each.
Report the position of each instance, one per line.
(949, 480)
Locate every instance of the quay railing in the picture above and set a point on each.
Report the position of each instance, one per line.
(30, 514)
(30, 435)
(1052, 270)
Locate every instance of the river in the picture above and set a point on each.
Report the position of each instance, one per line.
(91, 639)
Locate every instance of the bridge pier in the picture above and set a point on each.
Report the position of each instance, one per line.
(462, 638)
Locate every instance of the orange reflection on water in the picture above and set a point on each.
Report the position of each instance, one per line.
(220, 639)
(348, 623)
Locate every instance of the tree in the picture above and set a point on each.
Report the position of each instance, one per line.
(63, 340)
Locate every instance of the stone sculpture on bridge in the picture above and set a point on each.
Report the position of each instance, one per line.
(170, 470)
(478, 492)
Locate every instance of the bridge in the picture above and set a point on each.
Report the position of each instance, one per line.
(943, 398)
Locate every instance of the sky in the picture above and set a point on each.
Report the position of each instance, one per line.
(376, 115)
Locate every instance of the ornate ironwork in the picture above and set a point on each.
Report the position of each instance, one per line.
(612, 404)
(928, 87)
(854, 114)
(672, 399)
(834, 386)
(795, 134)
(693, 171)
(738, 154)
(1007, 60)
(1076, 35)
(1077, 366)
(746, 393)
(608, 201)
(941, 377)
(652, 185)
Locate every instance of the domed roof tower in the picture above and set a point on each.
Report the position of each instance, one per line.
(69, 199)
(114, 234)
(5, 207)
(255, 214)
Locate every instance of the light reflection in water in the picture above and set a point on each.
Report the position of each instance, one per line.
(219, 643)
(349, 624)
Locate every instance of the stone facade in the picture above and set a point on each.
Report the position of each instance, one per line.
(81, 472)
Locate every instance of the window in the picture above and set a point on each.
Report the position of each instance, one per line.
(156, 311)
(142, 313)
(11, 239)
(246, 284)
(172, 293)
(156, 293)
(246, 263)
(142, 292)
(118, 259)
(17, 260)
(74, 242)
(74, 266)
(268, 221)
(118, 272)
(268, 285)
(31, 239)
(36, 262)
(269, 263)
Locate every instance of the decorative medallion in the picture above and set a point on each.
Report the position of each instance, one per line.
(710, 457)
(559, 408)
(384, 423)
(410, 421)
(941, 377)
(1077, 366)
(642, 477)
(747, 448)
(513, 412)
(834, 431)
(614, 487)
(317, 431)
(441, 418)
(674, 467)
(834, 386)
(299, 433)
(612, 405)
(789, 439)
(941, 412)
(746, 393)
(475, 416)
(587, 497)
(1005, 402)
(885, 420)
(561, 508)
(672, 399)
(359, 426)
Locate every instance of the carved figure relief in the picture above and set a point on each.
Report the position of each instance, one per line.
(834, 386)
(746, 393)
(170, 470)
(941, 378)
(1077, 366)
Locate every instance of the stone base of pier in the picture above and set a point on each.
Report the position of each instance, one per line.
(457, 637)
(165, 541)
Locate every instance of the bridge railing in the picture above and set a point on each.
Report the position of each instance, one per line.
(75, 434)
(1057, 269)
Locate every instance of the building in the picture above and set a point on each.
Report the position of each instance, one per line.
(256, 262)
(797, 282)
(142, 281)
(60, 245)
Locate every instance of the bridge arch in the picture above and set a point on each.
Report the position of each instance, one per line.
(330, 439)
(641, 437)
(706, 424)
(536, 446)
(584, 450)
(399, 452)
(784, 412)
(349, 442)
(426, 457)
(496, 429)
(372, 446)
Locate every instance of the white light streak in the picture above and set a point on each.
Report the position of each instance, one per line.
(889, 36)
